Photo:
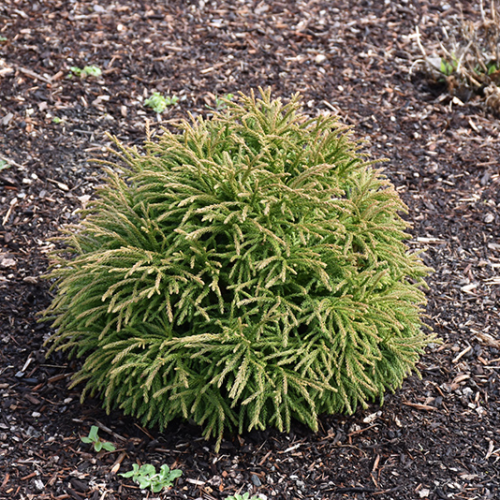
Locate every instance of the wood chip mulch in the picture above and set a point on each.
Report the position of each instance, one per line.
(437, 437)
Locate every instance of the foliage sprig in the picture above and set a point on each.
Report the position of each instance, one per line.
(94, 439)
(86, 71)
(159, 103)
(147, 477)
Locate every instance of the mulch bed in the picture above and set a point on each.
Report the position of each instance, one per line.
(436, 437)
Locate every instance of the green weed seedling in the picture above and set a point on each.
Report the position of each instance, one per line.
(220, 102)
(159, 103)
(493, 67)
(94, 439)
(468, 59)
(86, 71)
(3, 165)
(147, 477)
(245, 496)
(447, 68)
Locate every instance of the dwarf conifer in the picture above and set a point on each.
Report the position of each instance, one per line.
(243, 272)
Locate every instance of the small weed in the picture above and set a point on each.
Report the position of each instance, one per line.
(469, 57)
(221, 102)
(4, 165)
(245, 496)
(94, 439)
(159, 103)
(448, 67)
(147, 477)
(86, 71)
(3, 39)
(492, 67)
(56, 120)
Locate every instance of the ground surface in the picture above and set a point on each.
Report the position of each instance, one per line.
(435, 438)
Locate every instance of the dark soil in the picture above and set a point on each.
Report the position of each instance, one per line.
(436, 437)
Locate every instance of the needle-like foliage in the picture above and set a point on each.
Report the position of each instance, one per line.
(242, 273)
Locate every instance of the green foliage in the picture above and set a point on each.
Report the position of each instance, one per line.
(220, 102)
(491, 68)
(94, 439)
(159, 103)
(447, 68)
(469, 56)
(86, 71)
(147, 477)
(245, 496)
(246, 271)
(4, 165)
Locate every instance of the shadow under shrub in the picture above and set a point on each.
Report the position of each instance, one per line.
(246, 271)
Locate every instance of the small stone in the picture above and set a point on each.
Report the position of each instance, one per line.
(320, 58)
(371, 418)
(489, 218)
(6, 261)
(39, 486)
(355, 428)
(7, 118)
(255, 480)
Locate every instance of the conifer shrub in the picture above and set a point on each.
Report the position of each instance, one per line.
(242, 273)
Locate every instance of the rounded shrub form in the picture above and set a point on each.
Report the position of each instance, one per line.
(246, 271)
